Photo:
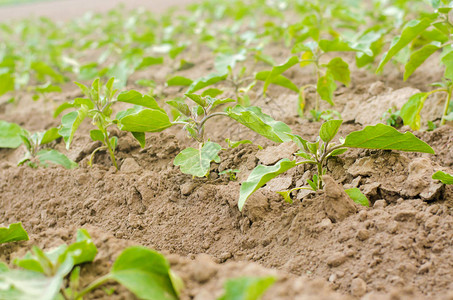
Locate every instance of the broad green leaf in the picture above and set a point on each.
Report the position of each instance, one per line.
(136, 98)
(6, 83)
(62, 108)
(335, 45)
(253, 118)
(410, 112)
(48, 88)
(278, 70)
(50, 136)
(234, 144)
(223, 61)
(128, 112)
(43, 70)
(326, 86)
(386, 137)
(10, 135)
(50, 155)
(179, 81)
(447, 60)
(197, 162)
(329, 130)
(260, 176)
(26, 285)
(197, 99)
(417, 58)
(445, 178)
(145, 272)
(180, 106)
(410, 31)
(83, 250)
(206, 81)
(216, 102)
(211, 92)
(140, 137)
(356, 195)
(340, 70)
(13, 233)
(69, 124)
(277, 80)
(146, 120)
(149, 61)
(97, 135)
(247, 288)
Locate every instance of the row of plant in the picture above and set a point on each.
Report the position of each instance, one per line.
(320, 31)
(56, 274)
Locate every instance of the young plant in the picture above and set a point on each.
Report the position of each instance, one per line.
(231, 173)
(425, 36)
(247, 288)
(13, 233)
(97, 105)
(317, 153)
(144, 272)
(35, 156)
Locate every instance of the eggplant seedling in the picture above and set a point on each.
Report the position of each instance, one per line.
(13, 233)
(317, 153)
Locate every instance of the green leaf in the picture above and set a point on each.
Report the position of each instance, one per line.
(206, 81)
(149, 61)
(278, 70)
(277, 80)
(53, 156)
(83, 250)
(223, 61)
(445, 178)
(211, 92)
(386, 137)
(197, 99)
(10, 135)
(146, 120)
(410, 31)
(356, 195)
(197, 162)
(43, 70)
(69, 124)
(247, 288)
(326, 86)
(180, 106)
(335, 45)
(62, 108)
(417, 58)
(25, 285)
(140, 137)
(234, 144)
(97, 135)
(410, 112)
(6, 83)
(340, 70)
(50, 136)
(13, 233)
(145, 272)
(253, 118)
(447, 60)
(136, 98)
(329, 130)
(179, 81)
(260, 176)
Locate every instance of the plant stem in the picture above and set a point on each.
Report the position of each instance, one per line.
(95, 284)
(201, 124)
(447, 105)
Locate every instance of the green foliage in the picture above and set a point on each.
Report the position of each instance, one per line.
(356, 195)
(246, 288)
(145, 272)
(13, 233)
(197, 162)
(10, 135)
(445, 178)
(371, 137)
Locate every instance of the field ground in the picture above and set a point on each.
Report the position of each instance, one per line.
(400, 248)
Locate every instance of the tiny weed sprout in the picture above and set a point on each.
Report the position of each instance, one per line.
(380, 136)
(35, 157)
(231, 173)
(146, 273)
(423, 37)
(13, 233)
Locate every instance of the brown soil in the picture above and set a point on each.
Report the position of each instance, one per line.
(399, 248)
